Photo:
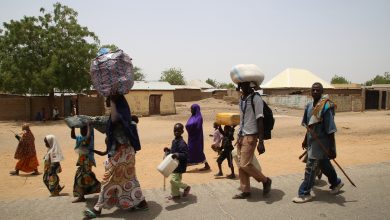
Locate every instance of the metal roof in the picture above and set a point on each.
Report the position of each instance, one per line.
(186, 87)
(152, 85)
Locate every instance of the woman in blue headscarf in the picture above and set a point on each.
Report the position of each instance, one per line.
(194, 129)
(120, 186)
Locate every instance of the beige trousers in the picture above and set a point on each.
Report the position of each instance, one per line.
(246, 149)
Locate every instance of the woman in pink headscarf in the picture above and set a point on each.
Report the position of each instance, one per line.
(194, 129)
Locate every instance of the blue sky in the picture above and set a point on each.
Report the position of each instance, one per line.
(206, 38)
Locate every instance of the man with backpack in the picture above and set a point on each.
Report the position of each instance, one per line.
(250, 137)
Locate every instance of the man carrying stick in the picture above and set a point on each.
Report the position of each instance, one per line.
(320, 144)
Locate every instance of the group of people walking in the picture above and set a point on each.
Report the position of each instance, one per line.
(119, 185)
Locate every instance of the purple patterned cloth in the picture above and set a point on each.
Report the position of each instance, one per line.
(194, 129)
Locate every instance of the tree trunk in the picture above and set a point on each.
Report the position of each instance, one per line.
(51, 103)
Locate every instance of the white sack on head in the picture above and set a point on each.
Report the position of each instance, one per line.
(246, 73)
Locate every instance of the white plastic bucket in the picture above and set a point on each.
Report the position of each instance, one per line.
(254, 161)
(168, 165)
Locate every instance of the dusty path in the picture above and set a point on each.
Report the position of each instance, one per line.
(362, 138)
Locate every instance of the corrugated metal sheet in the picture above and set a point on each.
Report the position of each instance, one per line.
(295, 78)
(152, 85)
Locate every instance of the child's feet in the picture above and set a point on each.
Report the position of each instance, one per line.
(218, 174)
(173, 197)
(91, 213)
(186, 191)
(231, 176)
(79, 199)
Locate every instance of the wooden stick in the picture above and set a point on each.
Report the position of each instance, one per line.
(327, 152)
(302, 155)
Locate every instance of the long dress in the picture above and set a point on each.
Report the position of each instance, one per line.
(120, 186)
(26, 154)
(52, 165)
(194, 129)
(85, 181)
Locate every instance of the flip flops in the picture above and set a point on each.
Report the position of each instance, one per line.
(91, 213)
(186, 191)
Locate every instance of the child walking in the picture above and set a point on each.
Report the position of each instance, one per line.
(217, 138)
(52, 165)
(85, 181)
(179, 149)
(226, 150)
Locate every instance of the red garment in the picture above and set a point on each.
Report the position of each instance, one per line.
(28, 164)
(26, 146)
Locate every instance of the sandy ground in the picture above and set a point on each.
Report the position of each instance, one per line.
(362, 138)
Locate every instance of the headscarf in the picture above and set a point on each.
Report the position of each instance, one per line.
(196, 120)
(194, 129)
(124, 118)
(54, 153)
(26, 146)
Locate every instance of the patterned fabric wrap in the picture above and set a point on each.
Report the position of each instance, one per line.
(112, 73)
(50, 177)
(26, 146)
(120, 186)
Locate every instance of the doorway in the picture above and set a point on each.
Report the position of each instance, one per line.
(384, 98)
(372, 99)
(154, 104)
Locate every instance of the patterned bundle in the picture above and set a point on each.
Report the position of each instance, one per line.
(112, 73)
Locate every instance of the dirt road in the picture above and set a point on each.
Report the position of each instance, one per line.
(362, 138)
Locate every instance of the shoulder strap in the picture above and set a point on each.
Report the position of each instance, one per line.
(253, 105)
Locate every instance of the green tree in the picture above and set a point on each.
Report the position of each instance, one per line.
(138, 74)
(378, 79)
(339, 80)
(173, 75)
(39, 54)
(112, 47)
(212, 82)
(226, 86)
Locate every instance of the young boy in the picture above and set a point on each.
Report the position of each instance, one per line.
(226, 150)
(179, 149)
(217, 138)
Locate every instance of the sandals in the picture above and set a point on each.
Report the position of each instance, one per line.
(91, 213)
(142, 206)
(35, 173)
(186, 191)
(242, 195)
(14, 173)
(173, 197)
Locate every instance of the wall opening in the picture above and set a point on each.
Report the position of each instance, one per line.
(372, 99)
(154, 104)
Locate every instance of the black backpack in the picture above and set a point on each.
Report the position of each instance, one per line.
(268, 120)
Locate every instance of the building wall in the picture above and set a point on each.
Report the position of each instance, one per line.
(139, 102)
(13, 108)
(26, 108)
(344, 102)
(206, 95)
(187, 95)
(388, 101)
(92, 106)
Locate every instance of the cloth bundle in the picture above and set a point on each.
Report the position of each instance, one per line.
(112, 73)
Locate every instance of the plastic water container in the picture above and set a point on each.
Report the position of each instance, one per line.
(168, 165)
(254, 161)
(246, 73)
(225, 118)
